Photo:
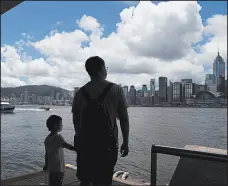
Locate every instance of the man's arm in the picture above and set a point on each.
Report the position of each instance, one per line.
(124, 119)
(76, 112)
(46, 160)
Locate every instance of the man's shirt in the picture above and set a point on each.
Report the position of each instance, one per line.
(114, 103)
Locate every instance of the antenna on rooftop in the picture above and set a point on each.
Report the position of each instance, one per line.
(218, 49)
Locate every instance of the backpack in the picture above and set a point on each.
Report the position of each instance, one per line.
(96, 131)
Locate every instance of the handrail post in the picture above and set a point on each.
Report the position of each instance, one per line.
(153, 172)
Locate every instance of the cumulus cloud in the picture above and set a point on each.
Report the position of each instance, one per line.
(165, 31)
(149, 41)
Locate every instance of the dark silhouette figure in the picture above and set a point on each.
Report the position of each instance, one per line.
(54, 156)
(94, 109)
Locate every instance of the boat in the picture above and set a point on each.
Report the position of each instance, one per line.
(45, 108)
(6, 107)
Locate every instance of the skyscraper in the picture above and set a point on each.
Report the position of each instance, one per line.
(190, 89)
(209, 81)
(163, 89)
(26, 96)
(221, 84)
(177, 92)
(152, 87)
(170, 92)
(132, 95)
(183, 82)
(218, 68)
(144, 90)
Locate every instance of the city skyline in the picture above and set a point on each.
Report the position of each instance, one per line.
(134, 43)
(210, 80)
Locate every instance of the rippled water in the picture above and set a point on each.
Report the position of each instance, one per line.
(23, 133)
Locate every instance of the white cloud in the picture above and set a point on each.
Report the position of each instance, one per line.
(26, 36)
(89, 23)
(149, 41)
(216, 29)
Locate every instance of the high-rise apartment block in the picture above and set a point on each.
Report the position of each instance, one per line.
(177, 92)
(152, 87)
(132, 95)
(163, 89)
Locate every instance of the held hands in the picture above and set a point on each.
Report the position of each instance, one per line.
(45, 168)
(124, 150)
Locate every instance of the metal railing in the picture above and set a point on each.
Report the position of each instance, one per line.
(155, 149)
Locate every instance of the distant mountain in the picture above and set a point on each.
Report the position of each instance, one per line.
(39, 90)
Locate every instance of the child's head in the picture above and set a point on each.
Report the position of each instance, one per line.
(54, 123)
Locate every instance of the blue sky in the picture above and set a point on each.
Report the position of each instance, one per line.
(38, 18)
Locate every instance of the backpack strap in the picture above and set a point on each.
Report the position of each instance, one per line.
(86, 94)
(101, 97)
(105, 91)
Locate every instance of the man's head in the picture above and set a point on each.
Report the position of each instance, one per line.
(95, 66)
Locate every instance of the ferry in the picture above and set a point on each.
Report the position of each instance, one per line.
(6, 107)
(45, 108)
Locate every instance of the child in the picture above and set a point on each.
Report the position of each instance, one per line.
(54, 156)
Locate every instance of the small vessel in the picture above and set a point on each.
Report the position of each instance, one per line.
(6, 107)
(45, 108)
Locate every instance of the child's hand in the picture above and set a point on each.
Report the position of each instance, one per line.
(45, 168)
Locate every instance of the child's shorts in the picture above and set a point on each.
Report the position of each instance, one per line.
(56, 178)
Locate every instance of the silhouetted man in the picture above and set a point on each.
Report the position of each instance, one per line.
(94, 109)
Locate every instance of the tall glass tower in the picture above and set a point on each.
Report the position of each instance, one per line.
(218, 68)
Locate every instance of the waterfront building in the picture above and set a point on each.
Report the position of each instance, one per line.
(145, 101)
(209, 80)
(26, 96)
(183, 82)
(33, 99)
(207, 98)
(190, 89)
(170, 92)
(156, 97)
(218, 68)
(152, 87)
(21, 98)
(57, 96)
(177, 92)
(221, 84)
(201, 88)
(132, 95)
(144, 90)
(162, 89)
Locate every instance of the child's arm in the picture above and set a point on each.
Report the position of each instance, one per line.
(68, 146)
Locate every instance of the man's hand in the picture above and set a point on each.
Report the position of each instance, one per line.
(124, 150)
(45, 168)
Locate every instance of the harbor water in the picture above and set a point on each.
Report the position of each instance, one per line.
(23, 134)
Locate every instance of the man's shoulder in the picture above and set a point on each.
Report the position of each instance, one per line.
(115, 87)
(79, 92)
